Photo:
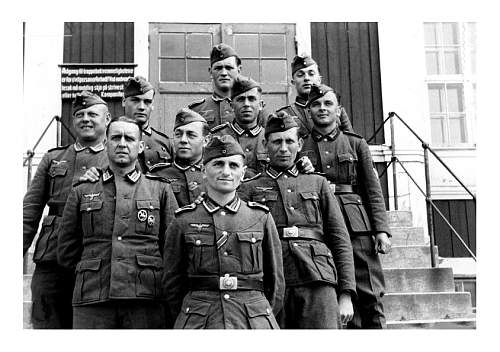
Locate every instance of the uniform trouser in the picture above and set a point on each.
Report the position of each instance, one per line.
(368, 308)
(311, 306)
(120, 314)
(51, 294)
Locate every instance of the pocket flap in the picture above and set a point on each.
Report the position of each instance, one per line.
(148, 204)
(250, 236)
(58, 171)
(265, 196)
(90, 264)
(309, 195)
(258, 308)
(91, 206)
(147, 260)
(48, 220)
(347, 157)
(197, 307)
(321, 249)
(350, 199)
(199, 240)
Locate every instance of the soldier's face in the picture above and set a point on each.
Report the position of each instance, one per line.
(189, 141)
(282, 147)
(90, 123)
(139, 107)
(224, 72)
(224, 175)
(304, 78)
(325, 111)
(123, 143)
(247, 105)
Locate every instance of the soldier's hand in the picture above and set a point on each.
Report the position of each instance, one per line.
(305, 165)
(91, 175)
(345, 308)
(382, 243)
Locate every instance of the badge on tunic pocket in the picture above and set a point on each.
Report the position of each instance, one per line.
(142, 215)
(151, 220)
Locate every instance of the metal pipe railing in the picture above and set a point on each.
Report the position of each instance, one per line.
(428, 200)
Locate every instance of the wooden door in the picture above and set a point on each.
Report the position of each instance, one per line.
(180, 57)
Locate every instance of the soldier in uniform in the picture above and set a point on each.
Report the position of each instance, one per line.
(113, 232)
(246, 101)
(305, 73)
(191, 133)
(138, 99)
(317, 252)
(60, 168)
(346, 160)
(225, 66)
(222, 260)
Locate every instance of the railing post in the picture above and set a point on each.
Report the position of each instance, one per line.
(30, 154)
(393, 158)
(428, 199)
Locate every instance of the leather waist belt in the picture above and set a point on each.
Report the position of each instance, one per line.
(224, 283)
(56, 209)
(295, 232)
(342, 188)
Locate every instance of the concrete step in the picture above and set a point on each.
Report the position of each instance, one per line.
(398, 218)
(408, 236)
(419, 280)
(408, 257)
(462, 323)
(27, 288)
(30, 266)
(425, 306)
(27, 315)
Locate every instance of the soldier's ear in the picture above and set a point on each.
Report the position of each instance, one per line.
(243, 174)
(301, 144)
(239, 69)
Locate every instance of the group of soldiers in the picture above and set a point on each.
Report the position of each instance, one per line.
(244, 219)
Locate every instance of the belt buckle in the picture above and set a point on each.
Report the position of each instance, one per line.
(292, 231)
(227, 282)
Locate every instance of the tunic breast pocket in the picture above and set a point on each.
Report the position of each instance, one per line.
(357, 219)
(347, 167)
(310, 203)
(57, 174)
(202, 253)
(250, 251)
(92, 221)
(267, 198)
(148, 216)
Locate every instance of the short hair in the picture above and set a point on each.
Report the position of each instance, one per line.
(124, 118)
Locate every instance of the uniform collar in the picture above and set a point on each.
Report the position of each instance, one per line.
(147, 130)
(95, 148)
(240, 130)
(274, 174)
(330, 136)
(212, 206)
(133, 176)
(217, 98)
(197, 165)
(300, 102)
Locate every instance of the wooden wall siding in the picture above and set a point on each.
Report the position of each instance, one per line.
(348, 56)
(462, 215)
(96, 42)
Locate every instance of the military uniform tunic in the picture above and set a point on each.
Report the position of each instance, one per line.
(299, 109)
(58, 170)
(322, 252)
(251, 142)
(113, 235)
(186, 181)
(205, 243)
(158, 148)
(345, 159)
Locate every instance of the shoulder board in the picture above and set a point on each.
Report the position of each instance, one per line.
(219, 127)
(160, 133)
(155, 177)
(159, 166)
(256, 205)
(196, 103)
(284, 108)
(252, 178)
(316, 173)
(189, 207)
(62, 147)
(352, 134)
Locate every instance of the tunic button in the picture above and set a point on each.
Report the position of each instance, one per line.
(226, 296)
(149, 162)
(119, 238)
(328, 166)
(193, 170)
(187, 310)
(327, 152)
(292, 208)
(267, 311)
(84, 168)
(285, 176)
(151, 207)
(163, 148)
(225, 253)
(295, 244)
(254, 240)
(324, 139)
(263, 199)
(247, 150)
(89, 209)
(359, 201)
(198, 242)
(224, 233)
(222, 213)
(289, 190)
(147, 147)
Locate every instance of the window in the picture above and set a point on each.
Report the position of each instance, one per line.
(450, 50)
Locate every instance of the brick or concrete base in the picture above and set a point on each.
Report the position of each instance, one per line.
(407, 257)
(419, 280)
(407, 236)
(27, 315)
(399, 218)
(424, 306)
(27, 288)
(465, 323)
